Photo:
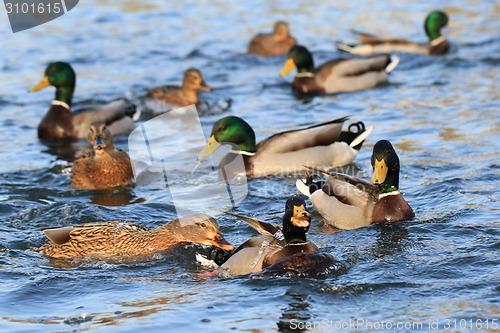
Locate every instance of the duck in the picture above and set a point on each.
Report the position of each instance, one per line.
(324, 144)
(60, 123)
(182, 96)
(116, 239)
(287, 250)
(338, 75)
(348, 202)
(437, 45)
(104, 166)
(276, 43)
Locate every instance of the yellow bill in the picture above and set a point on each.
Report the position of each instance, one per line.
(211, 146)
(379, 172)
(289, 65)
(42, 84)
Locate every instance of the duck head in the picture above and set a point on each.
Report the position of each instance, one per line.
(193, 80)
(434, 22)
(62, 76)
(385, 164)
(230, 129)
(100, 138)
(201, 229)
(298, 57)
(281, 30)
(296, 220)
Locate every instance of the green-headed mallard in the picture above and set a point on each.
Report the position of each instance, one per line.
(321, 145)
(105, 166)
(116, 239)
(348, 203)
(437, 45)
(285, 251)
(185, 95)
(276, 43)
(339, 75)
(60, 123)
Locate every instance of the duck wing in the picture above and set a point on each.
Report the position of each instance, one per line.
(322, 134)
(262, 227)
(119, 117)
(369, 190)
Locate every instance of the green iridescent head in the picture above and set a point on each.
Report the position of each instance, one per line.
(298, 57)
(62, 76)
(434, 22)
(235, 130)
(385, 164)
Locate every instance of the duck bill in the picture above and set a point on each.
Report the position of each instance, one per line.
(289, 65)
(219, 241)
(301, 217)
(212, 145)
(379, 172)
(42, 84)
(99, 144)
(204, 87)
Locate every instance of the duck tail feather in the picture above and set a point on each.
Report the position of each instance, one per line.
(393, 63)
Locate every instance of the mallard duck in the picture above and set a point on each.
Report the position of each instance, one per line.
(437, 45)
(348, 203)
(115, 239)
(181, 96)
(287, 250)
(276, 43)
(59, 123)
(105, 166)
(339, 75)
(323, 144)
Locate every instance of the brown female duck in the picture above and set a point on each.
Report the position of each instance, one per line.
(287, 250)
(181, 96)
(349, 203)
(59, 123)
(105, 166)
(276, 43)
(115, 239)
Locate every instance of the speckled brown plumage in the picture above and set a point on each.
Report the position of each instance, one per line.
(125, 239)
(182, 96)
(104, 166)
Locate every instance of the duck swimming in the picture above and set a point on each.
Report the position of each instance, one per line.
(286, 251)
(437, 45)
(185, 95)
(338, 75)
(324, 144)
(115, 239)
(349, 203)
(103, 167)
(59, 123)
(278, 42)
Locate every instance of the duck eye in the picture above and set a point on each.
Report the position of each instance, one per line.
(202, 224)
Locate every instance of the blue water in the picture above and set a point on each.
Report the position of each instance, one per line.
(441, 113)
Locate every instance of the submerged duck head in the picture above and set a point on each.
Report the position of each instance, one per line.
(200, 230)
(434, 22)
(60, 75)
(193, 80)
(298, 57)
(100, 138)
(296, 220)
(230, 129)
(385, 164)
